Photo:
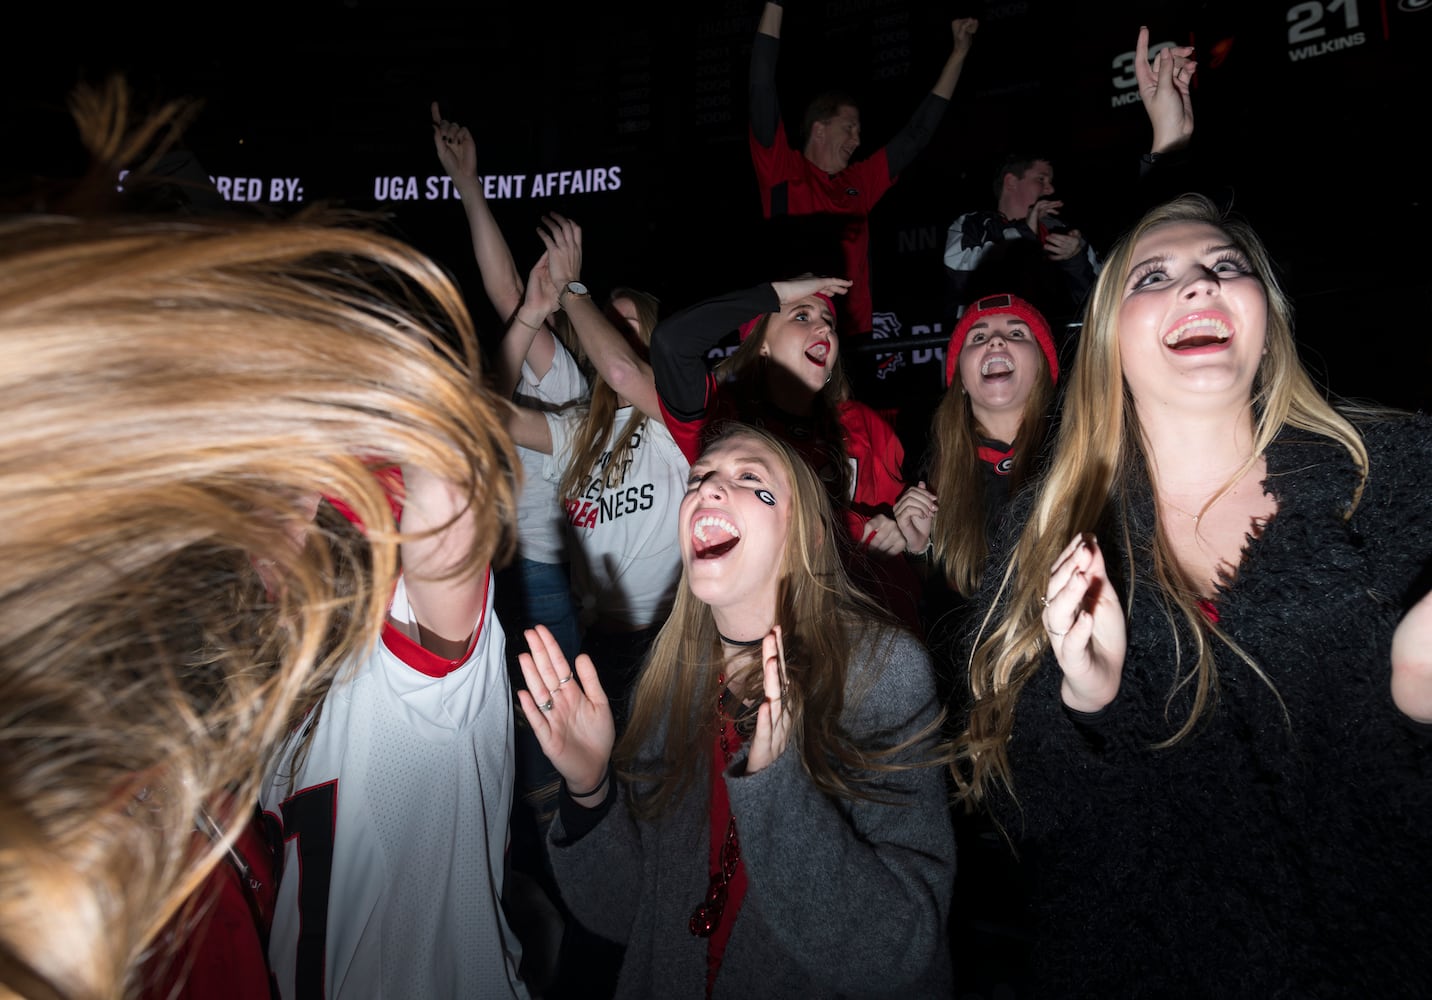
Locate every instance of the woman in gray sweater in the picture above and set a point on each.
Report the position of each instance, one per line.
(771, 823)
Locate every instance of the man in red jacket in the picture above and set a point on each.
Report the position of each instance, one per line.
(821, 180)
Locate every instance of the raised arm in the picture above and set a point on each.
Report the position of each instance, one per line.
(526, 325)
(680, 344)
(500, 278)
(446, 600)
(609, 350)
(920, 129)
(526, 424)
(764, 102)
(963, 31)
(1164, 90)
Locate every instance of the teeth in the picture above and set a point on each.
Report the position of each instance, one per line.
(702, 523)
(819, 352)
(996, 364)
(1205, 327)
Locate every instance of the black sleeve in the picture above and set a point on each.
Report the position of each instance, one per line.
(1161, 177)
(765, 102)
(680, 343)
(578, 820)
(1078, 275)
(901, 151)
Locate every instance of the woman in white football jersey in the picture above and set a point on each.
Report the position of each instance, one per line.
(175, 393)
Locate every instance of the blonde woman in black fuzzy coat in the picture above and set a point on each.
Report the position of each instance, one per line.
(1199, 710)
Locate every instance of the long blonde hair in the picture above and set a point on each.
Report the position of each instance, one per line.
(822, 616)
(599, 416)
(172, 392)
(1098, 464)
(960, 534)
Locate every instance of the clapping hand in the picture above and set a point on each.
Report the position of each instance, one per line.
(915, 514)
(563, 239)
(1085, 625)
(568, 712)
(773, 719)
(884, 535)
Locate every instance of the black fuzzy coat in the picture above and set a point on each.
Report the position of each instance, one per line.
(1266, 854)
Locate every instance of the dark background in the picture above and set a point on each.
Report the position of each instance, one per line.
(1324, 154)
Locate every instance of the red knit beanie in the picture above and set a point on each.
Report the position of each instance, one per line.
(1002, 305)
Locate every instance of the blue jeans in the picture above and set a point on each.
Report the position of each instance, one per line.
(535, 593)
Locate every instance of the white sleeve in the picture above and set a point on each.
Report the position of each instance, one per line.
(563, 384)
(563, 426)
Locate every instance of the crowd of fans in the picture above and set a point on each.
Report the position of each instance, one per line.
(343, 658)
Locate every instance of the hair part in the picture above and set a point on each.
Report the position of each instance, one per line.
(822, 108)
(1018, 164)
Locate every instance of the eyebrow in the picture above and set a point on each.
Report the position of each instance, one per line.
(1161, 258)
(755, 460)
(984, 324)
(705, 468)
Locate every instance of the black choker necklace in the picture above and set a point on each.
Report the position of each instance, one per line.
(741, 642)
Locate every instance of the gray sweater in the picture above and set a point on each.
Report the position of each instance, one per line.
(846, 898)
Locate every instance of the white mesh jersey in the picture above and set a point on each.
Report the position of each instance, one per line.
(394, 829)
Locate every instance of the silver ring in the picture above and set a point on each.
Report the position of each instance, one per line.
(1054, 633)
(564, 680)
(546, 706)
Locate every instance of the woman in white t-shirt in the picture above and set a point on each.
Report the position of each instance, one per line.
(620, 475)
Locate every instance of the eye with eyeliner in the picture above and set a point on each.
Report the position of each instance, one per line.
(1241, 264)
(1142, 276)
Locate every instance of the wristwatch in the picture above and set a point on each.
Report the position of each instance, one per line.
(574, 287)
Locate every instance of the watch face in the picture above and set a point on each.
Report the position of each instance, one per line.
(576, 288)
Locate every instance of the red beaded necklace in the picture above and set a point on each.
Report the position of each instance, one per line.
(707, 916)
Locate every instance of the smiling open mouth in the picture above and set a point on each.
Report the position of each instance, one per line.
(818, 354)
(1199, 333)
(712, 537)
(997, 368)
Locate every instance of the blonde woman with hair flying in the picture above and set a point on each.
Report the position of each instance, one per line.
(176, 396)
